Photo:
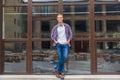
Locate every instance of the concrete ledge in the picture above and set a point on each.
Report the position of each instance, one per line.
(52, 77)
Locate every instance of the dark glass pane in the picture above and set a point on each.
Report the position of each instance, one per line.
(81, 9)
(45, 26)
(113, 9)
(98, 10)
(81, 26)
(113, 26)
(45, 44)
(68, 22)
(98, 26)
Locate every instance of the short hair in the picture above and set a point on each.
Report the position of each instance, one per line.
(59, 14)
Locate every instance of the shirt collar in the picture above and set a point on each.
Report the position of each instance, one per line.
(61, 25)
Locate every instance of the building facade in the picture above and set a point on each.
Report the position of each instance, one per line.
(26, 47)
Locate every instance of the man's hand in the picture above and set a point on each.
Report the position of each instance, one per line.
(67, 42)
(55, 41)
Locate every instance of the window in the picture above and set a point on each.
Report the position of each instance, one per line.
(80, 25)
(68, 22)
(98, 26)
(14, 20)
(106, 0)
(81, 9)
(113, 26)
(98, 9)
(100, 45)
(45, 10)
(108, 57)
(45, 44)
(75, 0)
(67, 8)
(45, 25)
(113, 9)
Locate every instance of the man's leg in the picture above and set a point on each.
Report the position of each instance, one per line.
(58, 47)
(64, 56)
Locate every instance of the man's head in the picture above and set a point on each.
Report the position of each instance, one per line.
(60, 18)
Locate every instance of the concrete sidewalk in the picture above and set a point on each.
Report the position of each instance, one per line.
(52, 77)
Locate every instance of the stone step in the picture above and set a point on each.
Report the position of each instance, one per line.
(53, 77)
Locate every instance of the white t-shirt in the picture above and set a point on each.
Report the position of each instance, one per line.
(61, 34)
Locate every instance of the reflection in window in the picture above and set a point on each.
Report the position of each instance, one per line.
(68, 22)
(81, 25)
(108, 56)
(74, 0)
(14, 1)
(106, 0)
(45, 25)
(45, 44)
(81, 9)
(15, 20)
(98, 26)
(41, 0)
(100, 45)
(110, 45)
(45, 10)
(67, 9)
(98, 9)
(15, 57)
(113, 9)
(81, 46)
(113, 26)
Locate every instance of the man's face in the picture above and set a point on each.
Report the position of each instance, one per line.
(60, 18)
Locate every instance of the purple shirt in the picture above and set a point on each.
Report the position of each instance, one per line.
(68, 32)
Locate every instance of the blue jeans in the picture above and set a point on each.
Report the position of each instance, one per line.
(62, 51)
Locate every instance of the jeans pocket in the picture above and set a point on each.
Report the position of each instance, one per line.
(57, 43)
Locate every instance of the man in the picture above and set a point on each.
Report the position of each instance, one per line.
(61, 35)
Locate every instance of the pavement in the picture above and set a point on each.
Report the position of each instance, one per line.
(53, 77)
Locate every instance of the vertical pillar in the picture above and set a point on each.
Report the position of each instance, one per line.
(29, 39)
(72, 25)
(1, 42)
(92, 38)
